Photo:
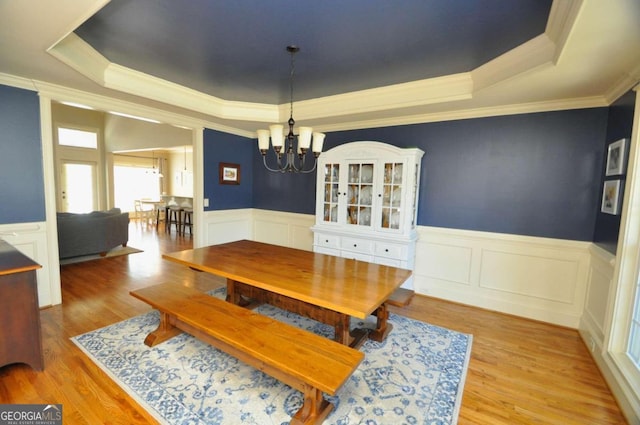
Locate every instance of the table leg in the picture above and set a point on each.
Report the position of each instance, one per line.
(164, 331)
(234, 295)
(383, 327)
(342, 334)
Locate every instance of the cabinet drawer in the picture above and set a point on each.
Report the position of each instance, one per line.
(357, 245)
(388, 262)
(327, 251)
(327, 241)
(391, 250)
(357, 256)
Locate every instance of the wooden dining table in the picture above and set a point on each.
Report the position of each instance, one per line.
(322, 287)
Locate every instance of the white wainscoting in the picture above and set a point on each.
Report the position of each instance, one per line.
(595, 330)
(31, 240)
(274, 227)
(284, 228)
(538, 278)
(227, 226)
(599, 281)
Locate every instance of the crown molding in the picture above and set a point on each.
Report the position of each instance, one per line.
(535, 52)
(471, 113)
(562, 17)
(127, 80)
(79, 55)
(18, 82)
(105, 103)
(396, 96)
(60, 93)
(89, 9)
(625, 83)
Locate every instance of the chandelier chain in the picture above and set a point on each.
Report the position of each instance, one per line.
(291, 77)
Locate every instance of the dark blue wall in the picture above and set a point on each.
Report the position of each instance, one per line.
(21, 175)
(619, 126)
(531, 174)
(222, 147)
(282, 191)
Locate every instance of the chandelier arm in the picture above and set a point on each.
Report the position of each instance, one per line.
(315, 163)
(274, 170)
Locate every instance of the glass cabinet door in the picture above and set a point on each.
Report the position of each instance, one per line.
(360, 193)
(391, 195)
(330, 199)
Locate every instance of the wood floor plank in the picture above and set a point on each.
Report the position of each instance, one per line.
(521, 371)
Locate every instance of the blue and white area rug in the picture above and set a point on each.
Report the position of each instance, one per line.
(416, 376)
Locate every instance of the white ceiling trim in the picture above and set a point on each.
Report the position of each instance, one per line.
(397, 96)
(544, 49)
(535, 52)
(562, 18)
(127, 80)
(626, 81)
(19, 82)
(105, 103)
(524, 80)
(79, 55)
(489, 111)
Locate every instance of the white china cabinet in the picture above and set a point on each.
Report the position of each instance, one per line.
(366, 203)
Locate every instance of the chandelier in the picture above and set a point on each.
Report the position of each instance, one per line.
(283, 146)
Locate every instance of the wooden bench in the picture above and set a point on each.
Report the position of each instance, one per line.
(303, 360)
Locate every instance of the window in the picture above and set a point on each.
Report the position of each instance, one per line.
(77, 138)
(131, 183)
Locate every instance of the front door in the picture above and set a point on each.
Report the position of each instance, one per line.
(77, 188)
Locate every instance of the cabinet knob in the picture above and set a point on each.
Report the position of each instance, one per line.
(326, 240)
(355, 245)
(386, 250)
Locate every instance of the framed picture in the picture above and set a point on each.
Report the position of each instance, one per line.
(229, 173)
(611, 197)
(615, 157)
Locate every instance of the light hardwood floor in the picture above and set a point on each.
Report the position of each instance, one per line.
(521, 371)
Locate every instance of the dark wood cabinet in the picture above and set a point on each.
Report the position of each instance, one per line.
(20, 338)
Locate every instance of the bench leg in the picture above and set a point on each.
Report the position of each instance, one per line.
(383, 327)
(314, 410)
(164, 331)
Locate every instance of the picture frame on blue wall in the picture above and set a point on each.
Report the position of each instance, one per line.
(616, 157)
(611, 197)
(228, 173)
